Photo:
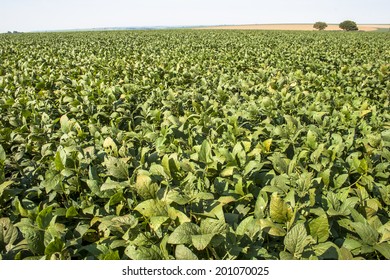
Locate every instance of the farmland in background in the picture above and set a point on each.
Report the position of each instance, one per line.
(195, 144)
(296, 27)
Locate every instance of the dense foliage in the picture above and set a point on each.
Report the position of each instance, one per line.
(320, 25)
(349, 25)
(195, 145)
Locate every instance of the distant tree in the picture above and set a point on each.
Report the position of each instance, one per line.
(9, 32)
(348, 25)
(320, 25)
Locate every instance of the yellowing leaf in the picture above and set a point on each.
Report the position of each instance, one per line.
(364, 112)
(271, 228)
(228, 171)
(176, 214)
(117, 168)
(5, 185)
(110, 146)
(2, 154)
(8, 233)
(267, 145)
(144, 186)
(319, 228)
(65, 124)
(279, 210)
(226, 199)
(152, 207)
(156, 222)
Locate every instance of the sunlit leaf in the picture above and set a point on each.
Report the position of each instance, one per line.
(183, 233)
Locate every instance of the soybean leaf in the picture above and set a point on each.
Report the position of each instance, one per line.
(366, 232)
(5, 185)
(8, 234)
(201, 241)
(384, 249)
(296, 239)
(340, 180)
(183, 233)
(205, 152)
(143, 253)
(157, 221)
(319, 228)
(45, 217)
(272, 228)
(184, 253)
(152, 207)
(214, 226)
(326, 251)
(55, 246)
(110, 146)
(2, 154)
(280, 212)
(117, 168)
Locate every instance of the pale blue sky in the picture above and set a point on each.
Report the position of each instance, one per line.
(34, 15)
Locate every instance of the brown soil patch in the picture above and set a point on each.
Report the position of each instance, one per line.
(331, 27)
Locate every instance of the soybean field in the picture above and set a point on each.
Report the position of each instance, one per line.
(195, 144)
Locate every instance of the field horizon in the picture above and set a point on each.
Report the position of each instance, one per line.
(294, 26)
(249, 26)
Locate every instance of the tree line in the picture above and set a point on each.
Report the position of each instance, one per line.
(347, 25)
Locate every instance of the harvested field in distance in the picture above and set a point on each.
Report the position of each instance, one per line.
(303, 27)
